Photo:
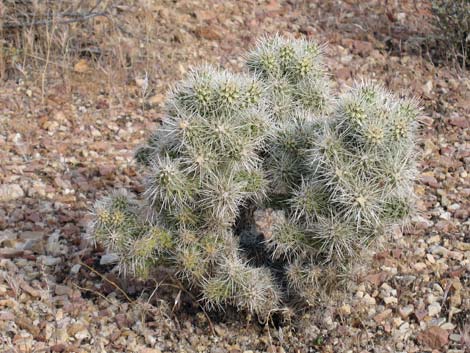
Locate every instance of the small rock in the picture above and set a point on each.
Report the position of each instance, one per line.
(50, 260)
(421, 222)
(208, 32)
(405, 311)
(58, 348)
(106, 170)
(431, 299)
(427, 87)
(379, 318)
(439, 250)
(430, 180)
(390, 300)
(7, 316)
(460, 121)
(156, 99)
(434, 309)
(448, 326)
(81, 66)
(74, 328)
(26, 324)
(28, 289)
(433, 337)
(108, 259)
(435, 239)
(151, 350)
(10, 192)
(81, 335)
(455, 337)
(75, 269)
(63, 290)
(362, 48)
(377, 278)
(419, 266)
(345, 309)
(368, 300)
(7, 238)
(219, 330)
(426, 120)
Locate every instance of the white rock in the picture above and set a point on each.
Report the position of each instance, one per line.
(368, 300)
(51, 261)
(448, 326)
(434, 309)
(108, 259)
(439, 250)
(419, 266)
(405, 327)
(445, 215)
(80, 335)
(390, 300)
(7, 235)
(430, 299)
(10, 192)
(75, 269)
(438, 289)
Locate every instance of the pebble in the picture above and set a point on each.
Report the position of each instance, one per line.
(431, 298)
(345, 309)
(50, 260)
(419, 266)
(379, 318)
(448, 326)
(108, 259)
(10, 192)
(151, 350)
(63, 290)
(434, 309)
(81, 335)
(75, 269)
(390, 300)
(368, 300)
(406, 311)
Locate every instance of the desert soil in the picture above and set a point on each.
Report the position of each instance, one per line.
(62, 150)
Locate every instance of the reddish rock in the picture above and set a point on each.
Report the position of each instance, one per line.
(460, 121)
(106, 170)
(377, 278)
(58, 348)
(208, 32)
(122, 320)
(381, 317)
(448, 162)
(429, 180)
(362, 47)
(434, 337)
(426, 120)
(462, 214)
(420, 314)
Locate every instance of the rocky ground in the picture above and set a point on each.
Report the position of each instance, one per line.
(62, 150)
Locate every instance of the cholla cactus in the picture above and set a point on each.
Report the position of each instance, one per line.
(262, 187)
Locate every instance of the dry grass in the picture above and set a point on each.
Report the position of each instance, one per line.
(53, 42)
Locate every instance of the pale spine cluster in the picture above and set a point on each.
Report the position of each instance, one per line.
(324, 176)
